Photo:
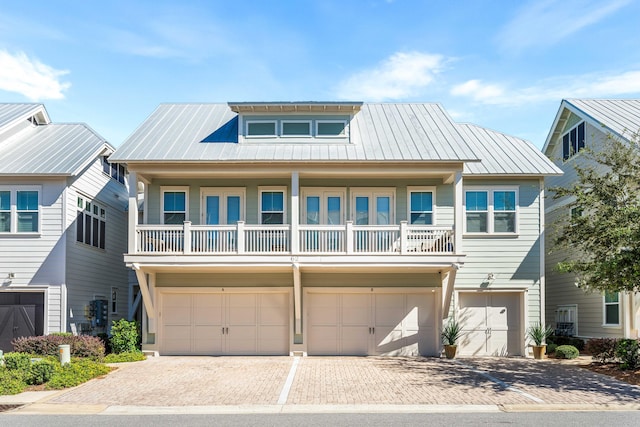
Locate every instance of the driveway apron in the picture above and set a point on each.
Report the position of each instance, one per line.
(202, 381)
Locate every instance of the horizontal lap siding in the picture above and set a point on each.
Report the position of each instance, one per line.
(93, 271)
(560, 288)
(514, 261)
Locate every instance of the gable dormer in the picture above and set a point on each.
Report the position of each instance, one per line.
(295, 122)
(16, 117)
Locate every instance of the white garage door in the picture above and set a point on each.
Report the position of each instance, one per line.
(224, 323)
(371, 323)
(490, 324)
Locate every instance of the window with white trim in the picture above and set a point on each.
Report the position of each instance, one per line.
(566, 320)
(116, 171)
(331, 128)
(91, 223)
(611, 309)
(273, 202)
(421, 205)
(491, 211)
(295, 128)
(222, 205)
(20, 209)
(174, 205)
(261, 128)
(573, 141)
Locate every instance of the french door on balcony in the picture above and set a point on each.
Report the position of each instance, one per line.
(373, 208)
(220, 206)
(323, 208)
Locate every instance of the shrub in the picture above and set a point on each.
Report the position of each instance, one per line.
(124, 336)
(41, 371)
(551, 348)
(135, 356)
(567, 352)
(560, 340)
(17, 361)
(87, 346)
(105, 341)
(451, 332)
(539, 333)
(47, 345)
(62, 334)
(77, 372)
(11, 381)
(602, 349)
(628, 351)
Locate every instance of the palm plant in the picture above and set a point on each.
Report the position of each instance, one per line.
(539, 333)
(451, 332)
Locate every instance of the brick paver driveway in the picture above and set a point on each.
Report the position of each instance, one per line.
(194, 381)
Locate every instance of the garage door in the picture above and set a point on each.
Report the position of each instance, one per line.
(224, 323)
(490, 324)
(371, 323)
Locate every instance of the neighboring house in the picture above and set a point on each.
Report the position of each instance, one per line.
(333, 228)
(62, 227)
(583, 123)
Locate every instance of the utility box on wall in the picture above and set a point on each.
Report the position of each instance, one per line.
(98, 309)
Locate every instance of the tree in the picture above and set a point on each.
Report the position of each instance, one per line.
(602, 239)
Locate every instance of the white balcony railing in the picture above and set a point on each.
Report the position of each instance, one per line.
(241, 238)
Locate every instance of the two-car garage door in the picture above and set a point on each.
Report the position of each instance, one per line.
(241, 323)
(371, 322)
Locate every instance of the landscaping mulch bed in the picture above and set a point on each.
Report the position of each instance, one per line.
(613, 370)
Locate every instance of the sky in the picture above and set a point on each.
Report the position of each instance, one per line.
(501, 64)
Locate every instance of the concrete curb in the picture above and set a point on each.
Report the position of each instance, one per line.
(568, 407)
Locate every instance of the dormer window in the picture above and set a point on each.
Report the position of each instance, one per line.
(331, 128)
(296, 128)
(573, 141)
(261, 128)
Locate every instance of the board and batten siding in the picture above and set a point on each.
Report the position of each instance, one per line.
(91, 271)
(515, 260)
(38, 261)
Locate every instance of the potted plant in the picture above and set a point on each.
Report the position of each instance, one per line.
(539, 334)
(450, 335)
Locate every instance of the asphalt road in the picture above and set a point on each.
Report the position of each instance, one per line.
(521, 419)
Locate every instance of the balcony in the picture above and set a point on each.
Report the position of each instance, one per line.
(246, 239)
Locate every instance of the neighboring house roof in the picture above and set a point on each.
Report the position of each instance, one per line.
(421, 132)
(379, 132)
(48, 149)
(504, 154)
(619, 116)
(12, 113)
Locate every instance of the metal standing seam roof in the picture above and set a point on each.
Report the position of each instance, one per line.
(620, 116)
(504, 154)
(379, 132)
(52, 149)
(9, 113)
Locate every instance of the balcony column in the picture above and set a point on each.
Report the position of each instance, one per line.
(133, 213)
(458, 213)
(295, 212)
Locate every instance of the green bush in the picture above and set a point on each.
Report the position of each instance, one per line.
(567, 352)
(41, 371)
(560, 340)
(76, 372)
(124, 336)
(551, 348)
(47, 345)
(602, 350)
(135, 356)
(11, 381)
(628, 351)
(17, 361)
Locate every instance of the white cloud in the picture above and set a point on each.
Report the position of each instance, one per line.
(30, 77)
(544, 23)
(402, 75)
(580, 86)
